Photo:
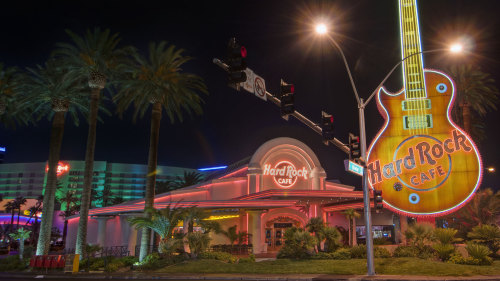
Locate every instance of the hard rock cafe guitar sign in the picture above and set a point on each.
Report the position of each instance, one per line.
(424, 163)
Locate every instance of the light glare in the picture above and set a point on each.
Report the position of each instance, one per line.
(456, 48)
(321, 28)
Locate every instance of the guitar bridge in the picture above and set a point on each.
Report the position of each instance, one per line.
(417, 121)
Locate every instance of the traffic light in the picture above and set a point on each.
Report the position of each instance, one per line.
(286, 99)
(327, 126)
(354, 148)
(236, 62)
(378, 200)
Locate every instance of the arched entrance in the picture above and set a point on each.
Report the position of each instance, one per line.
(275, 229)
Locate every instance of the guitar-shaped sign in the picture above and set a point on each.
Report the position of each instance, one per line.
(422, 161)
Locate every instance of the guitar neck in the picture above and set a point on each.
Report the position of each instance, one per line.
(411, 50)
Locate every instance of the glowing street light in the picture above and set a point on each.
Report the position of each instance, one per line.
(491, 169)
(321, 28)
(456, 48)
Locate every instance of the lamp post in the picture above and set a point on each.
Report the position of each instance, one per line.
(321, 29)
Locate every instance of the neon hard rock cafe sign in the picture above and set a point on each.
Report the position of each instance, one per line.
(285, 174)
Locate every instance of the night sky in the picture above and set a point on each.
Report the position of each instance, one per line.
(278, 37)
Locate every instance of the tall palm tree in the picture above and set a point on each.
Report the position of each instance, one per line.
(106, 196)
(94, 57)
(53, 91)
(158, 81)
(351, 216)
(11, 113)
(20, 202)
(476, 96)
(10, 207)
(68, 212)
(188, 179)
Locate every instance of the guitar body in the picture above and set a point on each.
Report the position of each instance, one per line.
(423, 169)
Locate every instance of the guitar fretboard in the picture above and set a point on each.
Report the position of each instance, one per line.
(413, 69)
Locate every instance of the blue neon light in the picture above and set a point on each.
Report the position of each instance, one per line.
(2, 149)
(212, 168)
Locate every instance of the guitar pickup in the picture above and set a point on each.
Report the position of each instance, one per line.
(416, 104)
(417, 121)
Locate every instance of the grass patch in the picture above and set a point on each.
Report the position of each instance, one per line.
(390, 266)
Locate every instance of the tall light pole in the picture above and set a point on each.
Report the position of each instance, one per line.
(322, 30)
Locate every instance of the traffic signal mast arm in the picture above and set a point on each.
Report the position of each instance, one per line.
(295, 114)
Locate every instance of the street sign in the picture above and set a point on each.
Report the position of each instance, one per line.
(255, 84)
(353, 167)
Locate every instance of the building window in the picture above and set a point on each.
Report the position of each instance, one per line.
(20, 175)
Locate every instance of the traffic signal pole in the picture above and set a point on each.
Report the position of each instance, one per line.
(366, 191)
(304, 120)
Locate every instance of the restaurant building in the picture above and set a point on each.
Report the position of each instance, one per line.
(281, 185)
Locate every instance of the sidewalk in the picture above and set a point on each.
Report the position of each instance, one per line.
(247, 277)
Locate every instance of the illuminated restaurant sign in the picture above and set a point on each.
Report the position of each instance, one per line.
(285, 174)
(61, 168)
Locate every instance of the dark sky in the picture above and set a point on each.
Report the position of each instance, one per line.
(277, 35)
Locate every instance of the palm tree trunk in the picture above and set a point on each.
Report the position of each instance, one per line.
(466, 117)
(12, 220)
(151, 176)
(65, 233)
(81, 238)
(354, 239)
(56, 137)
(21, 249)
(18, 214)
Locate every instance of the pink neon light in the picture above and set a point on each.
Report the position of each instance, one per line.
(233, 173)
(61, 168)
(309, 193)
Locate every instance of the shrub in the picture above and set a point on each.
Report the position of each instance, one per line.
(444, 235)
(299, 244)
(128, 261)
(479, 253)
(221, 256)
(487, 235)
(333, 238)
(444, 251)
(150, 262)
(341, 254)
(419, 234)
(322, 256)
(198, 243)
(405, 251)
(358, 252)
(114, 265)
(97, 264)
(380, 252)
(11, 263)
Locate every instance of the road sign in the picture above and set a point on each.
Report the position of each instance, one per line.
(255, 84)
(353, 167)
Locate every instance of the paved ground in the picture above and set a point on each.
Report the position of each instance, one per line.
(247, 277)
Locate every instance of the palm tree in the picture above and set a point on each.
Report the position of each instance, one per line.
(11, 207)
(476, 96)
(235, 236)
(68, 202)
(188, 179)
(20, 201)
(193, 215)
(162, 222)
(53, 91)
(93, 57)
(11, 112)
(164, 186)
(21, 235)
(351, 216)
(332, 238)
(483, 209)
(106, 196)
(316, 226)
(158, 81)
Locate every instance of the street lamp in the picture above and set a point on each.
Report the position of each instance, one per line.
(456, 48)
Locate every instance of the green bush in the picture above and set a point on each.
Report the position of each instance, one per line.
(97, 264)
(13, 263)
(341, 254)
(480, 253)
(444, 251)
(151, 262)
(487, 235)
(128, 261)
(358, 252)
(299, 244)
(457, 258)
(405, 251)
(322, 256)
(221, 256)
(444, 235)
(380, 252)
